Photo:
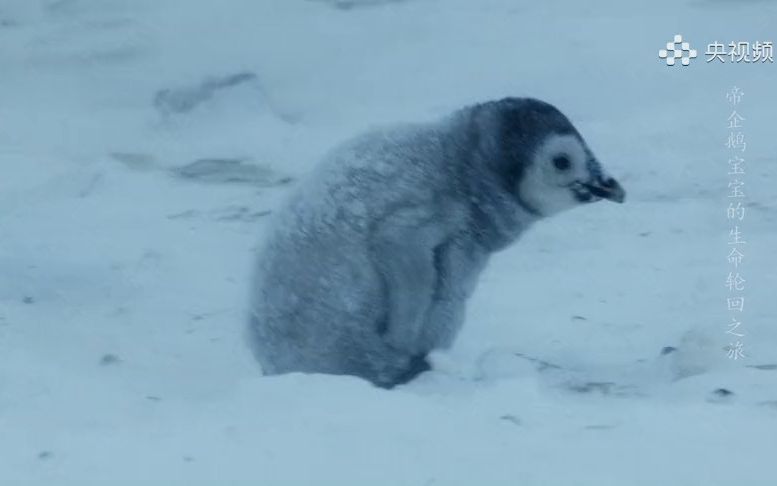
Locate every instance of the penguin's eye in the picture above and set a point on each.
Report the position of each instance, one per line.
(562, 162)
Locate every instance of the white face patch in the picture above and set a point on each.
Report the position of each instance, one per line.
(556, 164)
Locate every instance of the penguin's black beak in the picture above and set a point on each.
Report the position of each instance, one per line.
(606, 188)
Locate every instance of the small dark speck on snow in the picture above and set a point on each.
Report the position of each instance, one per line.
(721, 395)
(599, 427)
(511, 418)
(109, 359)
(668, 350)
(764, 367)
(603, 387)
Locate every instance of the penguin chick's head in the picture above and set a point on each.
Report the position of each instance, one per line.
(544, 161)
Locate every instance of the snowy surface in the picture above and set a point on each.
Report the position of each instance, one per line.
(143, 144)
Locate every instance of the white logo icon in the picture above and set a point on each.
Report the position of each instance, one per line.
(677, 50)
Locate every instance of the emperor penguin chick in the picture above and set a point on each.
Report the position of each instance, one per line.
(369, 265)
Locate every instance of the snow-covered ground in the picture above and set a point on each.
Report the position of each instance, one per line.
(143, 144)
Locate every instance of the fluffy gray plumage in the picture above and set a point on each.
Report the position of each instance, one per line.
(369, 265)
